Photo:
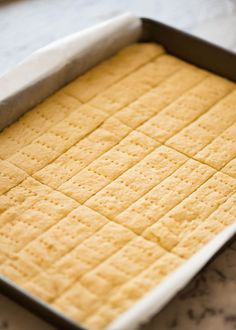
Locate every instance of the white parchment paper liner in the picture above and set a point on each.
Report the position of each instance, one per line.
(51, 67)
(153, 302)
(55, 65)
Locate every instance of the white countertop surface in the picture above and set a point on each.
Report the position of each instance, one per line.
(209, 301)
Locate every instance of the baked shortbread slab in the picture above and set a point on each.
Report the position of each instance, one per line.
(116, 180)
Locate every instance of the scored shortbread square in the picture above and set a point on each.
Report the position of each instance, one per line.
(110, 184)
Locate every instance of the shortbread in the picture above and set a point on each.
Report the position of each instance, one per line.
(116, 180)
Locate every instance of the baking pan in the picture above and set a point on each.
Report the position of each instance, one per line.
(51, 74)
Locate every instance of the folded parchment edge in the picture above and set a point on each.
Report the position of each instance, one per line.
(55, 65)
(157, 298)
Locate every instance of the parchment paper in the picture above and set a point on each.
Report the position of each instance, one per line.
(153, 302)
(52, 67)
(55, 65)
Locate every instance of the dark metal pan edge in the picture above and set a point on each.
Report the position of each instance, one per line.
(58, 319)
(191, 48)
(37, 306)
(182, 45)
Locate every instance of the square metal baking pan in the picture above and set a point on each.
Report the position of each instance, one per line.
(189, 48)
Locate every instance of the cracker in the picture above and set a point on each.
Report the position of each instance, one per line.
(82, 153)
(206, 128)
(221, 150)
(110, 71)
(36, 122)
(114, 181)
(38, 218)
(230, 168)
(84, 257)
(153, 205)
(10, 176)
(136, 181)
(20, 198)
(159, 97)
(108, 167)
(187, 108)
(58, 139)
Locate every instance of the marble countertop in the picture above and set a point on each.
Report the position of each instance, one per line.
(209, 301)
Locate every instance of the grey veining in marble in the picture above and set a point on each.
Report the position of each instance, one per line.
(209, 301)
